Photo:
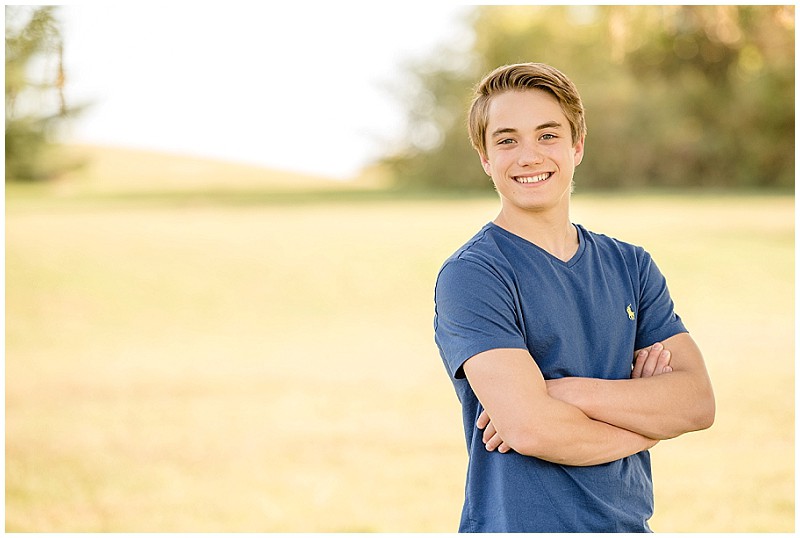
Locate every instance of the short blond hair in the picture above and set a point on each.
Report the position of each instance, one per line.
(520, 77)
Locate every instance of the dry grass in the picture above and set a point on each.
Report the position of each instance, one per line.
(271, 367)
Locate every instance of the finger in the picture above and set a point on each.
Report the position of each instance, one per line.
(659, 362)
(483, 420)
(494, 442)
(503, 448)
(641, 358)
(652, 360)
(488, 433)
(663, 362)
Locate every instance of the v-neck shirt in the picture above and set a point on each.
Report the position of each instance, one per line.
(583, 317)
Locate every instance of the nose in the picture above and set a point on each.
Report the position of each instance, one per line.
(530, 155)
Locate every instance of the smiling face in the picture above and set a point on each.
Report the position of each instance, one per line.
(529, 152)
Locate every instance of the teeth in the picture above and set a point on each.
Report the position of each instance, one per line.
(533, 179)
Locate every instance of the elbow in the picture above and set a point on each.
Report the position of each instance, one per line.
(699, 411)
(705, 408)
(701, 416)
(706, 413)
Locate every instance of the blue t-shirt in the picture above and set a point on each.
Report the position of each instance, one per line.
(580, 318)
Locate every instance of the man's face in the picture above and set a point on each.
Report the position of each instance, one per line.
(529, 151)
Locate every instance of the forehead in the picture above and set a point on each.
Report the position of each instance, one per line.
(521, 109)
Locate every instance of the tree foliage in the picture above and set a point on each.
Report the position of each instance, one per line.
(35, 105)
(675, 96)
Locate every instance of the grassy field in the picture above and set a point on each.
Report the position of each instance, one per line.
(205, 364)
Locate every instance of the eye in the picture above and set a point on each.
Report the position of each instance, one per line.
(549, 136)
(505, 141)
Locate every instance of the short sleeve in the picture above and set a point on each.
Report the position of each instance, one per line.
(657, 318)
(475, 312)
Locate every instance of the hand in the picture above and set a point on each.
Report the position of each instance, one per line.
(651, 361)
(491, 438)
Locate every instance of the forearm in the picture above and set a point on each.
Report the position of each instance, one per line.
(659, 407)
(656, 406)
(520, 413)
(572, 438)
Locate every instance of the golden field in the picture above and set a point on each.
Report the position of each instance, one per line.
(262, 362)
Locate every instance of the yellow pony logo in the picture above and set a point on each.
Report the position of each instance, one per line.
(629, 310)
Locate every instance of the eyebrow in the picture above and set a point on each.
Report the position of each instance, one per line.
(511, 130)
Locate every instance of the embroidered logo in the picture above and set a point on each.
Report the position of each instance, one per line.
(629, 310)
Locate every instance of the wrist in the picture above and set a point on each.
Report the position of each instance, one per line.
(571, 390)
(581, 392)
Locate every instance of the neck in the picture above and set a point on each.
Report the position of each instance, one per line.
(552, 232)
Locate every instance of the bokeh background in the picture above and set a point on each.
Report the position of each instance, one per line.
(223, 225)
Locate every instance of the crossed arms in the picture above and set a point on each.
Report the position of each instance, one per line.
(586, 421)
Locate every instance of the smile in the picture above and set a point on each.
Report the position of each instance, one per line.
(533, 179)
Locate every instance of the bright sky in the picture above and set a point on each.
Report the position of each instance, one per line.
(289, 85)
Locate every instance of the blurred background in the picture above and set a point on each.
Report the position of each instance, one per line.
(223, 225)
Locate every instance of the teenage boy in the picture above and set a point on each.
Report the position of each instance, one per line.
(563, 345)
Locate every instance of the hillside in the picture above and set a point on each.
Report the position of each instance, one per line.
(116, 169)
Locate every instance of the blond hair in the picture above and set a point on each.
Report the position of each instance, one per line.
(520, 77)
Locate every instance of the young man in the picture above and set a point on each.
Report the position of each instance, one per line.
(563, 345)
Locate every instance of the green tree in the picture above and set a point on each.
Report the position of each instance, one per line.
(35, 104)
(676, 96)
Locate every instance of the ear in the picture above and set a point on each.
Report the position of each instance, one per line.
(487, 167)
(578, 149)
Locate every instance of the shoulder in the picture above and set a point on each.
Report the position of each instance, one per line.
(484, 252)
(481, 266)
